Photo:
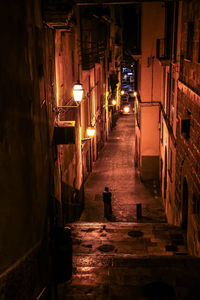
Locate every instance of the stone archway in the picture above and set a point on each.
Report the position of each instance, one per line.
(185, 204)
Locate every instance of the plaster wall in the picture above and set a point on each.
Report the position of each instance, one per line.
(152, 25)
(69, 156)
(149, 141)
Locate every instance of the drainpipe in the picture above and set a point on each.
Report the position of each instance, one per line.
(152, 70)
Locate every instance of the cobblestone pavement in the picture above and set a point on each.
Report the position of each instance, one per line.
(119, 261)
(126, 258)
(115, 169)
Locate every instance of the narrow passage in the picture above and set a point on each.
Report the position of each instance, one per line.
(126, 259)
(115, 168)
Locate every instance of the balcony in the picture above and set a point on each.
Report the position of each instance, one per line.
(163, 51)
(58, 15)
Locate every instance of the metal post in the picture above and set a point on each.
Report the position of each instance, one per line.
(107, 203)
(139, 210)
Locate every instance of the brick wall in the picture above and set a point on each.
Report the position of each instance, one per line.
(188, 146)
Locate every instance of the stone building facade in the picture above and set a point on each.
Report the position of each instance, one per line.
(188, 128)
(177, 131)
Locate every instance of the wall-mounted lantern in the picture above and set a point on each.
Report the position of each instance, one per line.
(78, 92)
(114, 102)
(122, 92)
(135, 94)
(90, 132)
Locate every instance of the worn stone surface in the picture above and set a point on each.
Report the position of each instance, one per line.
(131, 262)
(115, 169)
(118, 259)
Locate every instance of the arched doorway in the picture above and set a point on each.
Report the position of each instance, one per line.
(185, 205)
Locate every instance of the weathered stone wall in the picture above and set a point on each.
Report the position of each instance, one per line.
(27, 97)
(188, 164)
(190, 72)
(188, 147)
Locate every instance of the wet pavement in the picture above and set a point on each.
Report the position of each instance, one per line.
(126, 257)
(115, 168)
(119, 260)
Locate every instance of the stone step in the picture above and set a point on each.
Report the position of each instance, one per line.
(120, 260)
(146, 239)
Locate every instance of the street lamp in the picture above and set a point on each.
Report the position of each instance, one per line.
(113, 102)
(78, 92)
(135, 94)
(90, 131)
(126, 109)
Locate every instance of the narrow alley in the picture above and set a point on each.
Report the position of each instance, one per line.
(115, 169)
(100, 150)
(126, 258)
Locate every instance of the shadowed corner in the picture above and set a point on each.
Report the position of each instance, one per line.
(158, 290)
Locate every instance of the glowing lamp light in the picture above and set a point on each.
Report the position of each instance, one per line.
(126, 109)
(90, 131)
(78, 92)
(114, 102)
(122, 92)
(135, 94)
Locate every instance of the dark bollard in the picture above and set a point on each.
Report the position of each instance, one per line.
(139, 210)
(107, 203)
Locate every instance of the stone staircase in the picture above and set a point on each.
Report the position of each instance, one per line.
(130, 261)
